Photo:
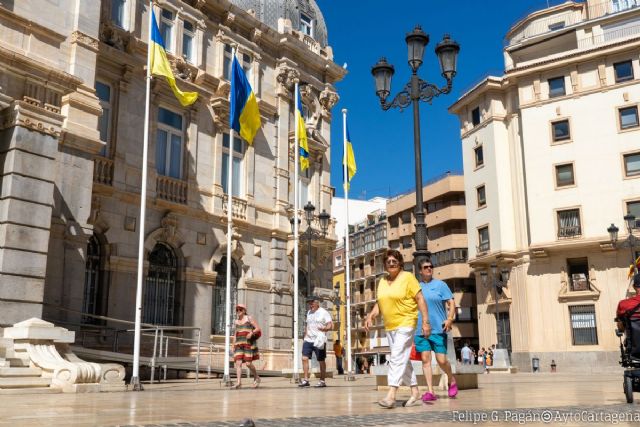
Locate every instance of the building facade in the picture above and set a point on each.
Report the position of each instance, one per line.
(367, 245)
(339, 313)
(72, 96)
(551, 159)
(444, 200)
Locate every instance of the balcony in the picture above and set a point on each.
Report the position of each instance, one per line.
(238, 210)
(171, 189)
(483, 247)
(451, 212)
(102, 170)
(457, 239)
(569, 232)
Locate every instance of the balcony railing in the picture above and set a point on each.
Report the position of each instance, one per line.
(171, 189)
(239, 208)
(569, 232)
(102, 170)
(483, 247)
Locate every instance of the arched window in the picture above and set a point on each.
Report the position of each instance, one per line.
(302, 302)
(94, 300)
(161, 296)
(219, 295)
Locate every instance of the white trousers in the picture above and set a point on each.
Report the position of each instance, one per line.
(400, 369)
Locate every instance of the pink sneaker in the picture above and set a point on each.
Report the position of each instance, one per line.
(429, 397)
(453, 390)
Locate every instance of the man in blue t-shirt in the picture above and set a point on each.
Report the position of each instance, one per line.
(442, 312)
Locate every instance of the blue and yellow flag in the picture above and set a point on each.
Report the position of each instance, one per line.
(245, 114)
(160, 65)
(302, 136)
(350, 159)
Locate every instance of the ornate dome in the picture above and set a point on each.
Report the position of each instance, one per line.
(269, 11)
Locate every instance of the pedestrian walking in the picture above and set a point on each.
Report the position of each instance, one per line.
(399, 298)
(442, 312)
(315, 341)
(337, 350)
(245, 348)
(466, 354)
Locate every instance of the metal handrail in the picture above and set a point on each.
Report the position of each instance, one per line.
(157, 329)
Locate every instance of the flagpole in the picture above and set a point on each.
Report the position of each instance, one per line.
(296, 302)
(135, 376)
(346, 241)
(227, 310)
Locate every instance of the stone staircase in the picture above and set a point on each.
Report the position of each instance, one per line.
(17, 374)
(35, 358)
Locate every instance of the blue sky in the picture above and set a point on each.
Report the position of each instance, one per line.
(360, 32)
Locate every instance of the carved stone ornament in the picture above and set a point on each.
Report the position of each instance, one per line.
(310, 100)
(116, 37)
(200, 4)
(220, 107)
(286, 77)
(229, 19)
(328, 100)
(84, 40)
(182, 69)
(170, 225)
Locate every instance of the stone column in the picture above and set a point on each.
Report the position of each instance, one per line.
(28, 146)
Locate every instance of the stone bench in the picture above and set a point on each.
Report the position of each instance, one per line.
(466, 376)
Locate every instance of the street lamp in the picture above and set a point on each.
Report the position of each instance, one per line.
(310, 234)
(417, 90)
(631, 241)
(498, 284)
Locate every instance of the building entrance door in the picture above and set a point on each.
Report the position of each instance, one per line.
(504, 331)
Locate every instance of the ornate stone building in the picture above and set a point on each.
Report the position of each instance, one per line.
(72, 96)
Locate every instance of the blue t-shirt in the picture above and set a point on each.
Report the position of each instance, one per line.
(435, 293)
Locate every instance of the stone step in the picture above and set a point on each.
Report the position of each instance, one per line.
(20, 372)
(24, 382)
(16, 362)
(30, 390)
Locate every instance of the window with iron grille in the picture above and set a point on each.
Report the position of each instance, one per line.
(93, 301)
(161, 288)
(219, 295)
(583, 325)
(569, 223)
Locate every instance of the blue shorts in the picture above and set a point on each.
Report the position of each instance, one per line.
(435, 342)
(308, 349)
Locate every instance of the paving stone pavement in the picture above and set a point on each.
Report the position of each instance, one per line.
(620, 414)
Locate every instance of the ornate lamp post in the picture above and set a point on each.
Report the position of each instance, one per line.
(310, 234)
(631, 241)
(498, 284)
(417, 90)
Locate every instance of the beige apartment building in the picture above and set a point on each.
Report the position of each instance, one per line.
(444, 200)
(72, 90)
(367, 245)
(551, 159)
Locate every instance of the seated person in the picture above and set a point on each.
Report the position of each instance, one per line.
(629, 304)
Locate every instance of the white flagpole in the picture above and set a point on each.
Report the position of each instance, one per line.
(346, 240)
(296, 302)
(227, 303)
(135, 376)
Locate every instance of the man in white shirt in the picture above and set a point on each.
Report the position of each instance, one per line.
(466, 354)
(315, 341)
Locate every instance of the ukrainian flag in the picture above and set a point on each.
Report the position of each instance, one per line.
(245, 114)
(302, 136)
(160, 65)
(350, 160)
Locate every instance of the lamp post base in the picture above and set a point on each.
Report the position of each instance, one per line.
(226, 381)
(135, 384)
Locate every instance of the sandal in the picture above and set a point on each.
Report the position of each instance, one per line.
(386, 404)
(413, 401)
(256, 382)
(236, 386)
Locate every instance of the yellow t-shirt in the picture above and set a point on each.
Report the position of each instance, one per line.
(397, 301)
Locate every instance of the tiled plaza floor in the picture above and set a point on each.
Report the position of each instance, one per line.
(530, 399)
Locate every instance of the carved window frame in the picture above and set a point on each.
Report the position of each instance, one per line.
(107, 106)
(171, 131)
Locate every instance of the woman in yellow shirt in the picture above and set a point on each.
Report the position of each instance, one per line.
(398, 300)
